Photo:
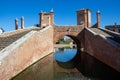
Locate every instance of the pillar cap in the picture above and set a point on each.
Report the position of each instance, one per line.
(41, 11)
(52, 10)
(22, 17)
(98, 11)
(16, 19)
(87, 9)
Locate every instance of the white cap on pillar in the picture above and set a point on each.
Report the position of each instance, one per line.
(52, 10)
(98, 11)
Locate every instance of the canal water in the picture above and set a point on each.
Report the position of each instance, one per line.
(55, 66)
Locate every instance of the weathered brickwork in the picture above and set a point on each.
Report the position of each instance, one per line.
(84, 17)
(39, 43)
(46, 19)
(6, 34)
(61, 31)
(37, 46)
(102, 49)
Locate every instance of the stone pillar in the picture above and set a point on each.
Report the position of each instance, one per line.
(40, 19)
(22, 23)
(88, 18)
(85, 18)
(52, 17)
(16, 24)
(98, 18)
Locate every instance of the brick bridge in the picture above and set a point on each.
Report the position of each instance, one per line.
(70, 31)
(102, 44)
(23, 47)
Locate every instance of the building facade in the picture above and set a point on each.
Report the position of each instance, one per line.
(115, 28)
(46, 19)
(84, 17)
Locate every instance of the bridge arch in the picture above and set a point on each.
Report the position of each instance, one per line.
(74, 38)
(71, 32)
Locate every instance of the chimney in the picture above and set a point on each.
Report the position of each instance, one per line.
(22, 23)
(16, 24)
(98, 18)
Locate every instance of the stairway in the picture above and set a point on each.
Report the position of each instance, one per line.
(5, 41)
(108, 36)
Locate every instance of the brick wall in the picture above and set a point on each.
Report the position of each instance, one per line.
(25, 51)
(61, 31)
(102, 49)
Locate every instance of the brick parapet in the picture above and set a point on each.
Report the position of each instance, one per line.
(102, 49)
(17, 31)
(38, 45)
(68, 28)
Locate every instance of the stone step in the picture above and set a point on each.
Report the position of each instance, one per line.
(6, 41)
(98, 31)
(108, 36)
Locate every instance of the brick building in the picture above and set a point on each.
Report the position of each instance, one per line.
(115, 28)
(47, 19)
(83, 18)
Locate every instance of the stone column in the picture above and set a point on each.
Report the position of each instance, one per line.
(85, 17)
(98, 18)
(88, 18)
(41, 19)
(16, 24)
(52, 17)
(22, 23)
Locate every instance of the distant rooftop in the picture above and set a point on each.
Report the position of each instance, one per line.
(112, 26)
(84, 9)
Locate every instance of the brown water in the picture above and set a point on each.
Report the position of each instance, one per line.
(48, 68)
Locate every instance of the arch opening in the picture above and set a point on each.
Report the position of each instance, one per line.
(66, 48)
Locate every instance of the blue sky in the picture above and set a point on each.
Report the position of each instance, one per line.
(64, 10)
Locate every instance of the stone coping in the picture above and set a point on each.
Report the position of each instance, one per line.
(5, 34)
(4, 52)
(111, 41)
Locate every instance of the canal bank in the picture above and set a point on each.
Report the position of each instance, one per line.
(64, 45)
(40, 70)
(24, 51)
(47, 68)
(50, 68)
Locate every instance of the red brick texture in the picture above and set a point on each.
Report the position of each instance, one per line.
(37, 46)
(101, 49)
(61, 31)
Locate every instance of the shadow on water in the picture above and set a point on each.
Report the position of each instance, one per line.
(81, 67)
(66, 65)
(90, 67)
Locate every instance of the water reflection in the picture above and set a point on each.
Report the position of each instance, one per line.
(65, 64)
(82, 64)
(64, 54)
